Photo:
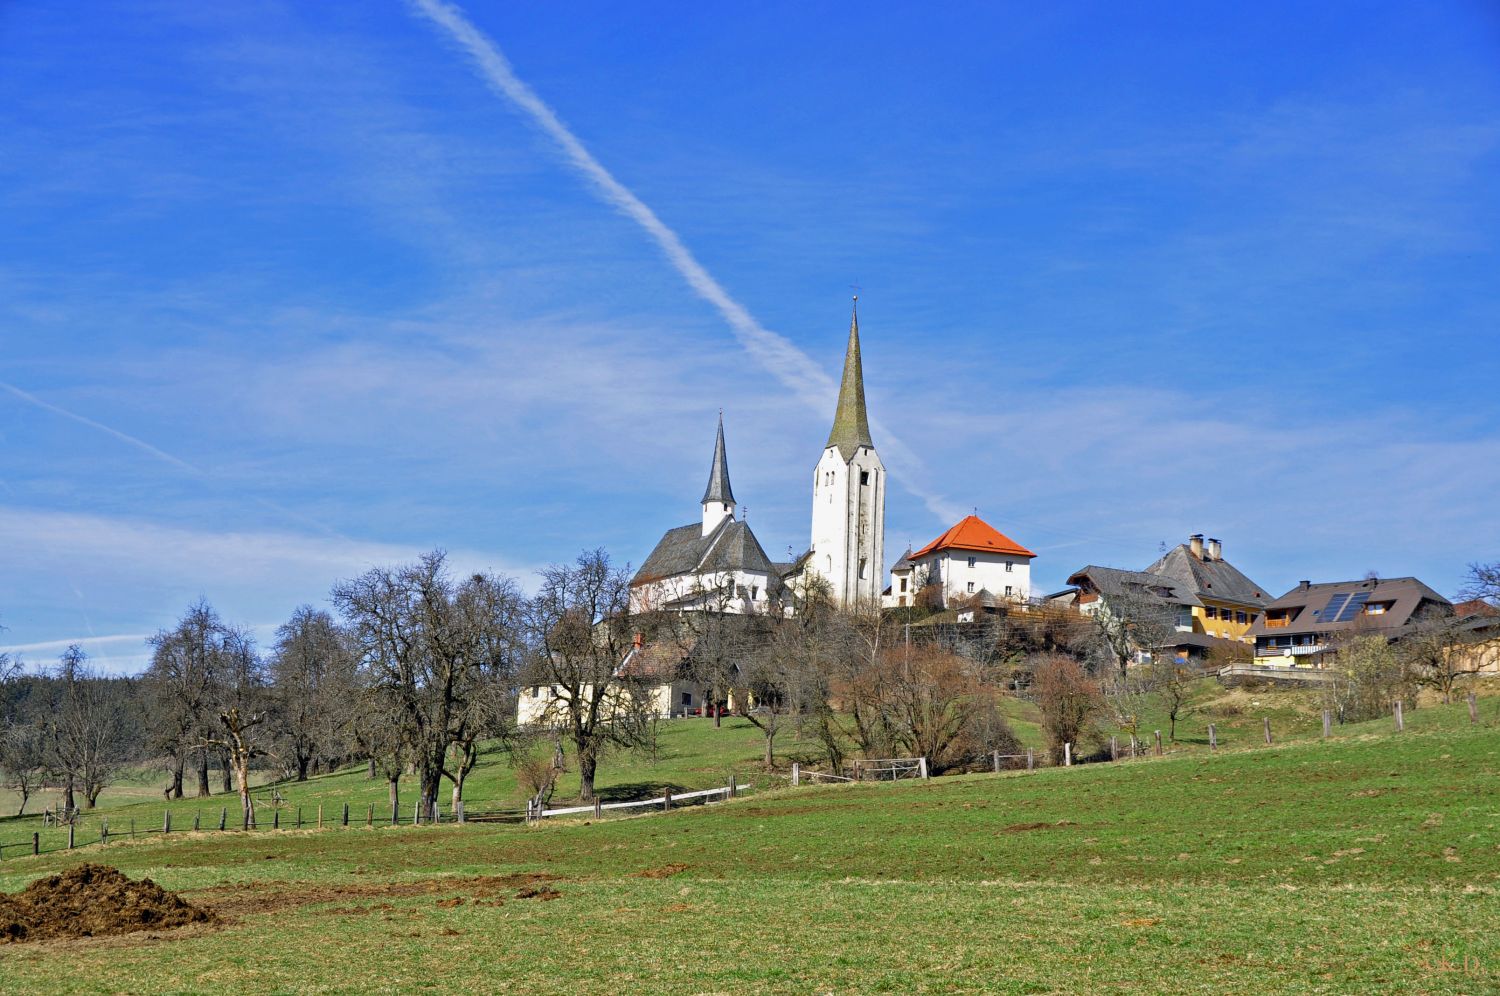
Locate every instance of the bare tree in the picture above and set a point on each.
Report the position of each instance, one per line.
(1483, 583)
(1436, 651)
(83, 730)
(23, 758)
(1067, 698)
(429, 645)
(1173, 683)
(1129, 624)
(182, 685)
(307, 665)
(580, 627)
(1368, 676)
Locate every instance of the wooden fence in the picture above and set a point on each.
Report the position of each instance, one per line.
(663, 802)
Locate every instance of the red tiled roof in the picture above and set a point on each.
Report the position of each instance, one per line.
(973, 533)
(1475, 607)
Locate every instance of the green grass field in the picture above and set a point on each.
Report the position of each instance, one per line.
(1368, 863)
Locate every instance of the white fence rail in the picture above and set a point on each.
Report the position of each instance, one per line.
(665, 801)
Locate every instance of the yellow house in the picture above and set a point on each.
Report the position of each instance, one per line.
(1229, 602)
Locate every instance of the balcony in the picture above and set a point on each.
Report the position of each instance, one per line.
(1277, 623)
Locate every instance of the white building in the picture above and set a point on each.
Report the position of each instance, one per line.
(971, 560)
(716, 564)
(848, 513)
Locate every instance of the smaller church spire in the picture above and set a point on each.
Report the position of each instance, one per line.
(851, 423)
(718, 476)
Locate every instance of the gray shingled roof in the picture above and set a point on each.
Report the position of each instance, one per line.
(1112, 581)
(904, 564)
(1217, 580)
(851, 423)
(685, 550)
(1407, 595)
(718, 475)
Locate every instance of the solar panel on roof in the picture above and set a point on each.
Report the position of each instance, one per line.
(1356, 602)
(1331, 610)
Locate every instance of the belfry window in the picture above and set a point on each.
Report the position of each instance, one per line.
(864, 477)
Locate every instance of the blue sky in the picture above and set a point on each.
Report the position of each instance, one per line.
(289, 290)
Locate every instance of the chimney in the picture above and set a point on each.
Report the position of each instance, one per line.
(1215, 550)
(1303, 585)
(1195, 544)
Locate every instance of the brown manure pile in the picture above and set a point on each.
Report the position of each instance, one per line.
(91, 901)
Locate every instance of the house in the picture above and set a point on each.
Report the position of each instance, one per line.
(1227, 602)
(1208, 602)
(1303, 626)
(970, 558)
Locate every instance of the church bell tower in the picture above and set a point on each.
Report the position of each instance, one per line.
(848, 515)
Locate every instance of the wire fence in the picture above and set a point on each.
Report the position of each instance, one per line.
(77, 833)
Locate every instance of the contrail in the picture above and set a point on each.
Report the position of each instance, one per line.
(122, 437)
(777, 354)
(159, 454)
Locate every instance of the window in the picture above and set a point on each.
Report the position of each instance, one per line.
(903, 584)
(971, 586)
(973, 561)
(1241, 618)
(863, 570)
(1008, 591)
(1209, 612)
(1377, 608)
(687, 698)
(1009, 564)
(864, 477)
(754, 592)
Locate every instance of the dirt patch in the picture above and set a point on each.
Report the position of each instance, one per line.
(543, 892)
(1022, 827)
(92, 901)
(665, 871)
(246, 898)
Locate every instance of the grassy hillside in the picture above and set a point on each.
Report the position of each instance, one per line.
(1369, 863)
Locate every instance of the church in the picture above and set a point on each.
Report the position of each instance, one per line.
(717, 564)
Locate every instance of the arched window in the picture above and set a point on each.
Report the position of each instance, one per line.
(829, 560)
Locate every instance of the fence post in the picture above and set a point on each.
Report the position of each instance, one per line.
(1327, 724)
(1267, 721)
(275, 819)
(166, 821)
(1473, 708)
(370, 815)
(223, 817)
(320, 816)
(796, 774)
(299, 817)
(70, 836)
(104, 831)
(1114, 748)
(132, 828)
(1030, 760)
(1067, 755)
(922, 767)
(734, 787)
(1400, 721)
(997, 761)
(666, 799)
(598, 808)
(1158, 743)
(197, 820)
(36, 842)
(346, 814)
(1213, 737)
(416, 812)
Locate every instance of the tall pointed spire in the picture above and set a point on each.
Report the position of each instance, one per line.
(851, 423)
(718, 476)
